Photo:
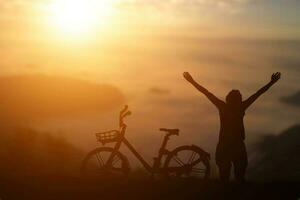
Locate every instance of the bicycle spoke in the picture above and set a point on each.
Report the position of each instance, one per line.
(178, 161)
(187, 162)
(100, 160)
(115, 160)
(192, 157)
(195, 162)
(198, 173)
(96, 166)
(198, 170)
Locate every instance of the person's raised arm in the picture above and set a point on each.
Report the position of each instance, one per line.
(275, 77)
(216, 101)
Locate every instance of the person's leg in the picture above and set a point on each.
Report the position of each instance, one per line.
(240, 163)
(223, 162)
(224, 170)
(239, 171)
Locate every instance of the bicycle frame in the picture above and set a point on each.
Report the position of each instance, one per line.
(167, 162)
(156, 167)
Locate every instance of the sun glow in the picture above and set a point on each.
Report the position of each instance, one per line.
(79, 17)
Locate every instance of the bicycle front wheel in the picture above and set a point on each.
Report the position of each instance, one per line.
(95, 165)
(187, 162)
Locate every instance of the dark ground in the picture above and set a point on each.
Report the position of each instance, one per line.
(73, 189)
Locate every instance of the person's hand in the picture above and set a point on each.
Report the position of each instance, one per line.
(275, 77)
(188, 77)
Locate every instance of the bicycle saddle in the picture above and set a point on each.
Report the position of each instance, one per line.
(171, 131)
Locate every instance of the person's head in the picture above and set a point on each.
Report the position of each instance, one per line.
(234, 97)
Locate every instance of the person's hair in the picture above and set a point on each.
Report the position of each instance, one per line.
(234, 96)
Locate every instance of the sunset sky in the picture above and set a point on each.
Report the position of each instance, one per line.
(218, 18)
(137, 50)
(75, 32)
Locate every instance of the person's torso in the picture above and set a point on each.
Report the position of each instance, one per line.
(232, 124)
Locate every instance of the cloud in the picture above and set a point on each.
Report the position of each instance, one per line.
(35, 7)
(139, 3)
(291, 62)
(159, 91)
(183, 2)
(30, 97)
(190, 6)
(278, 156)
(293, 100)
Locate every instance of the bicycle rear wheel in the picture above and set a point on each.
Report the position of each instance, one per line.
(187, 162)
(95, 166)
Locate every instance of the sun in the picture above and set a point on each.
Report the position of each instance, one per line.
(79, 17)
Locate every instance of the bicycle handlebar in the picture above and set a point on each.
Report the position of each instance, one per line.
(124, 110)
(124, 113)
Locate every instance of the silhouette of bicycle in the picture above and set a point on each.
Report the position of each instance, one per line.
(107, 162)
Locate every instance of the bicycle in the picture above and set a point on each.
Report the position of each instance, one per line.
(183, 161)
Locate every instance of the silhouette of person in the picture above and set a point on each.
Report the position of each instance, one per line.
(231, 148)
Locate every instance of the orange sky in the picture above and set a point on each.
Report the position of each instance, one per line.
(138, 45)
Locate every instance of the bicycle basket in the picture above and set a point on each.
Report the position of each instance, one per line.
(108, 136)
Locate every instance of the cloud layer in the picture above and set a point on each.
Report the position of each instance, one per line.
(148, 3)
(30, 97)
(278, 157)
